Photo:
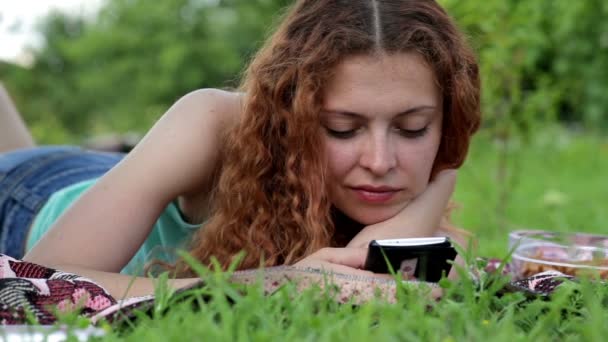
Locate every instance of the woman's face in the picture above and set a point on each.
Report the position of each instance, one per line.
(382, 127)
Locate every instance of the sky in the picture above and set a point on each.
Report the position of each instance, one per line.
(18, 19)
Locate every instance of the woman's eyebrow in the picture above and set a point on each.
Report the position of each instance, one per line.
(360, 116)
(417, 109)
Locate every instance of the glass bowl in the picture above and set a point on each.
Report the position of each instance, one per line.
(576, 254)
(583, 239)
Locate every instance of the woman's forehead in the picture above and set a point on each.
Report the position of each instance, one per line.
(382, 83)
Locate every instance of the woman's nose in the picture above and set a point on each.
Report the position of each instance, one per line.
(378, 155)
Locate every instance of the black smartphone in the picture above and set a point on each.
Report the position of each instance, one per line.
(420, 258)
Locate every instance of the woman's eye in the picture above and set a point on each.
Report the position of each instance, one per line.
(341, 134)
(416, 133)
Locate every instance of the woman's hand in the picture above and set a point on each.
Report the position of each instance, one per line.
(339, 260)
(420, 218)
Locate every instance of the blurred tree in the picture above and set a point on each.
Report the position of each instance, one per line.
(122, 69)
(540, 60)
(580, 60)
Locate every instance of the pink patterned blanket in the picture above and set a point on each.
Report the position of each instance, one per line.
(34, 294)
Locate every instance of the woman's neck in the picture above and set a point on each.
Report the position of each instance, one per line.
(345, 227)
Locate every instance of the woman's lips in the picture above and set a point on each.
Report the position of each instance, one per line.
(375, 195)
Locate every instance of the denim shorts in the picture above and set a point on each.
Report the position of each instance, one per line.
(28, 177)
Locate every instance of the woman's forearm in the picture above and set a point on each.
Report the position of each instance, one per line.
(13, 132)
(122, 286)
(420, 218)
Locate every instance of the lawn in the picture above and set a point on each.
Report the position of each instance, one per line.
(555, 181)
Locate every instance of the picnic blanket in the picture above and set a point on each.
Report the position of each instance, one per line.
(31, 293)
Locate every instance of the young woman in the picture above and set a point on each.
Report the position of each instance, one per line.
(342, 132)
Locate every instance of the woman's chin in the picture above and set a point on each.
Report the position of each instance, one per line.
(371, 217)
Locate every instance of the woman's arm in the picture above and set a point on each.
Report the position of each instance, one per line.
(420, 218)
(102, 231)
(13, 132)
(123, 286)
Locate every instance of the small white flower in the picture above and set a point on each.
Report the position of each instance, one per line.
(554, 198)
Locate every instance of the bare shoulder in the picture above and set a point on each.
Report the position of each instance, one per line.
(208, 104)
(212, 97)
(197, 118)
(185, 142)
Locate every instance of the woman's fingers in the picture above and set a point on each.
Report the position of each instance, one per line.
(345, 270)
(340, 261)
(348, 256)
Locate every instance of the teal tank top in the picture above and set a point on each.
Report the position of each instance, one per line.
(170, 232)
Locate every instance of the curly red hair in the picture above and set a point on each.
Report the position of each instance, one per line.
(271, 200)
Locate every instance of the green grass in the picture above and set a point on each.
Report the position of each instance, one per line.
(555, 182)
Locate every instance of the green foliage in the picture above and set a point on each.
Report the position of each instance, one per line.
(120, 70)
(539, 60)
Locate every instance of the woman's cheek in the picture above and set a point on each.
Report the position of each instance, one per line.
(417, 164)
(340, 159)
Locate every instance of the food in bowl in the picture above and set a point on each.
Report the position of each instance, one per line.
(583, 239)
(534, 256)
